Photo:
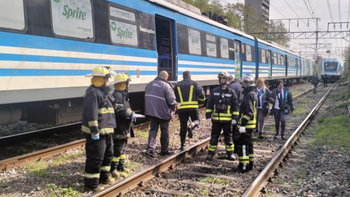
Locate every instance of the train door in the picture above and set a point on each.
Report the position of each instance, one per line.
(286, 63)
(238, 58)
(166, 49)
(269, 61)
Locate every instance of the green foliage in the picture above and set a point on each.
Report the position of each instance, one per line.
(68, 191)
(333, 132)
(214, 180)
(38, 169)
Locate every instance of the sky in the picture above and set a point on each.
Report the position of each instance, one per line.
(279, 9)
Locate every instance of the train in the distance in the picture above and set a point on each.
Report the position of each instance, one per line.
(333, 68)
(48, 46)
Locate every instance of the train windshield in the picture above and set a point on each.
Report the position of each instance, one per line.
(330, 65)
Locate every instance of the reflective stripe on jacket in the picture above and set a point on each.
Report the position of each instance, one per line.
(188, 93)
(98, 111)
(228, 96)
(248, 109)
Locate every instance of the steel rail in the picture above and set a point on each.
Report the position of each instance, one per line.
(133, 181)
(261, 181)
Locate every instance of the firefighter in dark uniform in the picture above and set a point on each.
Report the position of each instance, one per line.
(188, 94)
(222, 108)
(98, 123)
(246, 125)
(124, 117)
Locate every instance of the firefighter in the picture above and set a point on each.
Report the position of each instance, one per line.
(98, 123)
(188, 94)
(246, 125)
(124, 117)
(222, 109)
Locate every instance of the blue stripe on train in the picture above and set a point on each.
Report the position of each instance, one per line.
(183, 57)
(39, 42)
(53, 72)
(37, 58)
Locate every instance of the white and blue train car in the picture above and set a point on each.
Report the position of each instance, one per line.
(333, 68)
(48, 46)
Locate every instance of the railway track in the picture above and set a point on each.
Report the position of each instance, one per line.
(188, 174)
(10, 163)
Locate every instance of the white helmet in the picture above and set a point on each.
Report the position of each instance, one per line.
(99, 71)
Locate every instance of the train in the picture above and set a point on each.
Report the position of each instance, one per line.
(48, 46)
(333, 68)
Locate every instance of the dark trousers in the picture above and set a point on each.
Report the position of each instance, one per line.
(119, 153)
(164, 137)
(315, 87)
(279, 118)
(99, 154)
(260, 121)
(325, 83)
(193, 114)
(245, 149)
(215, 134)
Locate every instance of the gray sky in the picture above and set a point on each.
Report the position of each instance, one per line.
(279, 9)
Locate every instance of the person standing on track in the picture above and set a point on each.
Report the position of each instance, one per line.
(160, 106)
(282, 101)
(222, 109)
(263, 94)
(98, 123)
(325, 80)
(188, 94)
(124, 116)
(246, 125)
(315, 80)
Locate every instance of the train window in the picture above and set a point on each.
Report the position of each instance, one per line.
(72, 18)
(282, 60)
(194, 42)
(122, 27)
(211, 45)
(224, 48)
(263, 57)
(248, 53)
(12, 15)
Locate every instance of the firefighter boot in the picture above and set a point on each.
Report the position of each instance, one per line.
(91, 184)
(230, 155)
(251, 165)
(114, 171)
(210, 155)
(106, 178)
(122, 167)
(191, 127)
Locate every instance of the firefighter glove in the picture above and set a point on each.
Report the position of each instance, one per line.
(233, 122)
(95, 136)
(242, 129)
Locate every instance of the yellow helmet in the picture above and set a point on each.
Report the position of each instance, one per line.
(99, 71)
(121, 77)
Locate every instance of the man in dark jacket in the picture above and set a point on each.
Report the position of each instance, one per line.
(237, 87)
(315, 80)
(98, 124)
(188, 94)
(282, 103)
(325, 80)
(263, 94)
(246, 125)
(124, 116)
(160, 104)
(222, 109)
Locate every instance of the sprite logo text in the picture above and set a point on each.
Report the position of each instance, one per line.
(73, 13)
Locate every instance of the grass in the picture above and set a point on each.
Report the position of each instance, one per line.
(281, 181)
(203, 190)
(299, 110)
(214, 180)
(333, 132)
(53, 190)
(38, 169)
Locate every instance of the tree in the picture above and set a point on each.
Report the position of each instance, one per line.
(280, 38)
